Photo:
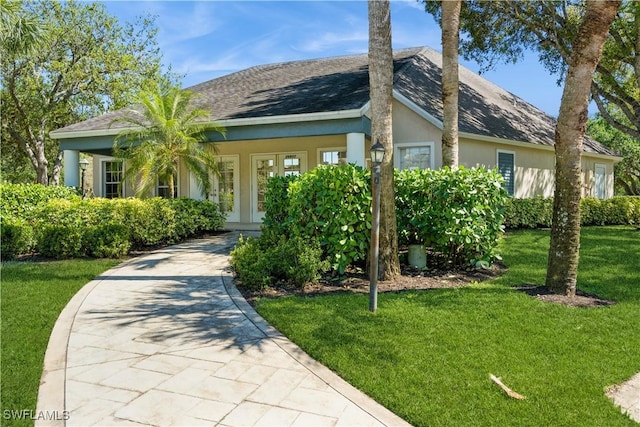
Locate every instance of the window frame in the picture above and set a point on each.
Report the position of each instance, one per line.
(330, 149)
(103, 178)
(403, 145)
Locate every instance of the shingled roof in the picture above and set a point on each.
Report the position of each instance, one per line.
(342, 84)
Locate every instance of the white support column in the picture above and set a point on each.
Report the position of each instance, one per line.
(71, 168)
(355, 149)
(194, 191)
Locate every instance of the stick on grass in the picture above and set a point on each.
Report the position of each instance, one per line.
(506, 389)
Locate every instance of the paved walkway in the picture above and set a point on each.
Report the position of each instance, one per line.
(166, 339)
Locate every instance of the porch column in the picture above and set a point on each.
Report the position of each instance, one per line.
(71, 168)
(355, 149)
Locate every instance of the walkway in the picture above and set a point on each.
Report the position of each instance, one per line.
(166, 339)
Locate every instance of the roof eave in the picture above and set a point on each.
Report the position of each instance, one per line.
(245, 121)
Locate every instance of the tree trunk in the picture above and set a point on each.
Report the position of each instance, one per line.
(381, 93)
(564, 248)
(450, 86)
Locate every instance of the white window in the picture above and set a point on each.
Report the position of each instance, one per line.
(414, 155)
(507, 167)
(600, 184)
(112, 172)
(332, 156)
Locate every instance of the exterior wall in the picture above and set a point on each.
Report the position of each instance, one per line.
(408, 127)
(245, 149)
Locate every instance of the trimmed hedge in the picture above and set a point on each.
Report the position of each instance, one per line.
(17, 238)
(537, 213)
(20, 200)
(73, 227)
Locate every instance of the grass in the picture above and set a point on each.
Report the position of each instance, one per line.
(427, 355)
(33, 295)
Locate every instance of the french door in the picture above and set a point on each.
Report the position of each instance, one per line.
(225, 187)
(265, 166)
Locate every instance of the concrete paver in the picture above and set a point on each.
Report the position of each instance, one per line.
(165, 339)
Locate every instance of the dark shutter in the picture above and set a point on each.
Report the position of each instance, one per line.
(507, 169)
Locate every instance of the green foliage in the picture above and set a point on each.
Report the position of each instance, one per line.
(106, 227)
(276, 204)
(333, 205)
(623, 210)
(195, 217)
(528, 213)
(16, 238)
(459, 213)
(62, 241)
(86, 63)
(107, 240)
(20, 200)
(274, 259)
(536, 213)
(626, 172)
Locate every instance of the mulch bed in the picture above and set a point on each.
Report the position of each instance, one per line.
(355, 281)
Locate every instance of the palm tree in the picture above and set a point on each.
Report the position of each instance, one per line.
(450, 40)
(381, 95)
(163, 134)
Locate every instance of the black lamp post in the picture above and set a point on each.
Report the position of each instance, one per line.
(83, 167)
(377, 154)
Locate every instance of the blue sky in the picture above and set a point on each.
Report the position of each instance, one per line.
(208, 39)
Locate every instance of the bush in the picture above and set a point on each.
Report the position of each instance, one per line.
(623, 210)
(62, 241)
(108, 240)
(538, 212)
(459, 213)
(332, 204)
(274, 259)
(528, 213)
(195, 217)
(276, 204)
(20, 200)
(17, 238)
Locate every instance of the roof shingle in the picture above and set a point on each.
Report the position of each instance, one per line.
(342, 83)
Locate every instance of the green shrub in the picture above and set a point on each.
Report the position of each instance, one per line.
(107, 240)
(622, 210)
(274, 259)
(62, 241)
(194, 217)
(537, 212)
(276, 204)
(19, 200)
(332, 204)
(528, 213)
(459, 213)
(17, 238)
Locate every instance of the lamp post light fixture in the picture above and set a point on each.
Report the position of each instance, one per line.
(83, 167)
(377, 154)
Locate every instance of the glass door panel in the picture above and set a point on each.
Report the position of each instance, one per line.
(226, 186)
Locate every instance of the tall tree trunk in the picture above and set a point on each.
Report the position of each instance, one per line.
(450, 86)
(562, 271)
(381, 93)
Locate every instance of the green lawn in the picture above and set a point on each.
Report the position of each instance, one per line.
(427, 355)
(33, 295)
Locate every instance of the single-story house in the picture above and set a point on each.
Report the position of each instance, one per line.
(287, 118)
